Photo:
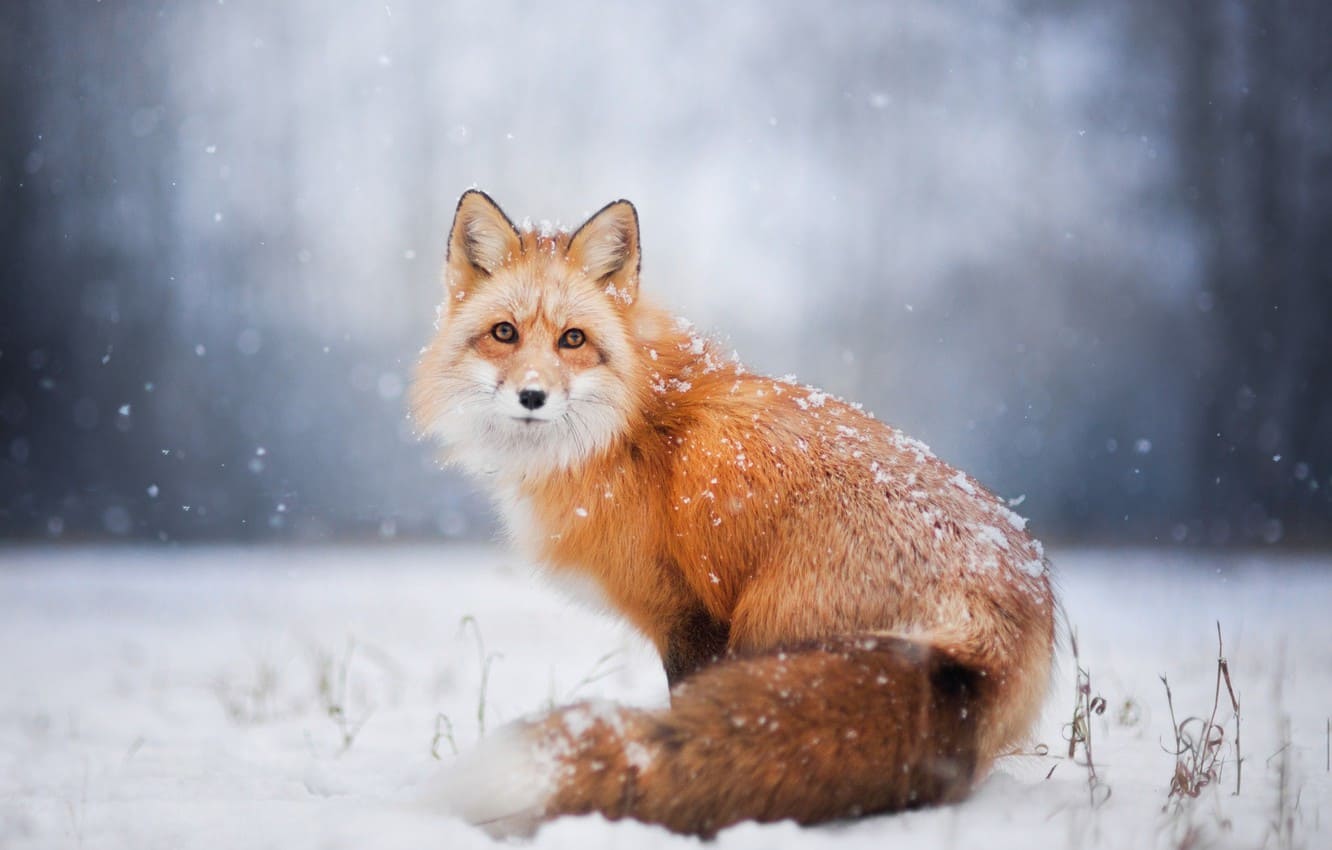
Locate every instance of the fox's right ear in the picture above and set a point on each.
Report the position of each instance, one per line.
(482, 240)
(606, 247)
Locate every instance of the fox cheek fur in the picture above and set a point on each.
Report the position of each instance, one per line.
(848, 624)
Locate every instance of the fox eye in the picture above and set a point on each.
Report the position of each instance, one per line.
(572, 338)
(504, 332)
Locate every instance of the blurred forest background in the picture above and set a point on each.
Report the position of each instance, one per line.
(1083, 250)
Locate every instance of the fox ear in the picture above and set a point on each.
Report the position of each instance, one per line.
(606, 247)
(482, 240)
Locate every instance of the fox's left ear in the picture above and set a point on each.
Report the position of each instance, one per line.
(606, 247)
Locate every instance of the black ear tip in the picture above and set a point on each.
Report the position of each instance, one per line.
(623, 204)
(479, 195)
(616, 205)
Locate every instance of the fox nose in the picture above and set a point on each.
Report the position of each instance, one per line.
(531, 399)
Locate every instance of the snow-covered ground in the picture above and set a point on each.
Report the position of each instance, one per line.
(289, 698)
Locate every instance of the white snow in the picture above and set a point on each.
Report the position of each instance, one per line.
(816, 398)
(960, 481)
(1018, 522)
(623, 295)
(230, 697)
(990, 535)
(1034, 568)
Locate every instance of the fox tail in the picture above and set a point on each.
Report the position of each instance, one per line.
(818, 732)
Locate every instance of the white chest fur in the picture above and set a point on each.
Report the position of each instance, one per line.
(530, 536)
(520, 524)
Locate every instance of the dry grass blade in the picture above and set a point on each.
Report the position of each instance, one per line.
(486, 660)
(1282, 827)
(335, 696)
(1200, 742)
(1223, 667)
(443, 732)
(600, 670)
(1078, 731)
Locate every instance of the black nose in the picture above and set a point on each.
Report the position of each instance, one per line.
(531, 399)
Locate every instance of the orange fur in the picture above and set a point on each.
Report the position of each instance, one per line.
(755, 530)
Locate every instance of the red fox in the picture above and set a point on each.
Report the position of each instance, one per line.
(848, 624)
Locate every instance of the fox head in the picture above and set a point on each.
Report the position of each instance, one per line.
(534, 364)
